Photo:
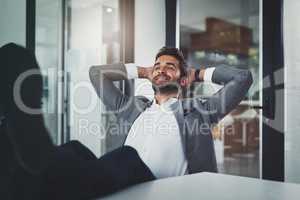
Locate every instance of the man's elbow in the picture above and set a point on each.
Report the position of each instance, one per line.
(93, 71)
(245, 77)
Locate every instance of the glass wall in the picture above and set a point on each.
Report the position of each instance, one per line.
(13, 30)
(214, 32)
(48, 53)
(92, 39)
(292, 91)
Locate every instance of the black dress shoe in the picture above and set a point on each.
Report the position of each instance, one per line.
(26, 131)
(25, 145)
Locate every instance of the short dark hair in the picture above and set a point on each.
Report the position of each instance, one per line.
(176, 53)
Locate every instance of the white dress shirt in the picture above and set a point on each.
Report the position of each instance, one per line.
(156, 137)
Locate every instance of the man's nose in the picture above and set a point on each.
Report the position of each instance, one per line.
(162, 70)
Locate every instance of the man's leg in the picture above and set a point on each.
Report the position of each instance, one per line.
(128, 166)
(77, 149)
(15, 181)
(34, 152)
(72, 177)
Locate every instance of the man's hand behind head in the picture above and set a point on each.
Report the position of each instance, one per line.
(145, 72)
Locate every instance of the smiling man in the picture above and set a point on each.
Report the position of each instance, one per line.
(171, 133)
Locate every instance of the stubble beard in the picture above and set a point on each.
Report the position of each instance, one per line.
(166, 89)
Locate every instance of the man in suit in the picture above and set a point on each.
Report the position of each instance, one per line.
(171, 133)
(34, 168)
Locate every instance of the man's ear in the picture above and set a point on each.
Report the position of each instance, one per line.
(183, 81)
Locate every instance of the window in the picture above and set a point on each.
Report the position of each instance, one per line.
(228, 32)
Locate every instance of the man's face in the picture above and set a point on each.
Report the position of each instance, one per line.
(166, 75)
(166, 70)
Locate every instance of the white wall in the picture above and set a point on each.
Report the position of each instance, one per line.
(86, 49)
(292, 91)
(13, 21)
(149, 37)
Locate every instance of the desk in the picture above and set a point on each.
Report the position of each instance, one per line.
(209, 186)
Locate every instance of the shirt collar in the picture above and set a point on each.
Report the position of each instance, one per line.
(167, 103)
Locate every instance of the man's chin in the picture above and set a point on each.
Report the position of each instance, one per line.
(166, 88)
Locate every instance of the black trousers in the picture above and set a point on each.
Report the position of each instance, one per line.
(76, 173)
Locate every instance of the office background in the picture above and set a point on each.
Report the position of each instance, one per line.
(68, 36)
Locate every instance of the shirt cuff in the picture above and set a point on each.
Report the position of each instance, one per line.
(208, 74)
(132, 71)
